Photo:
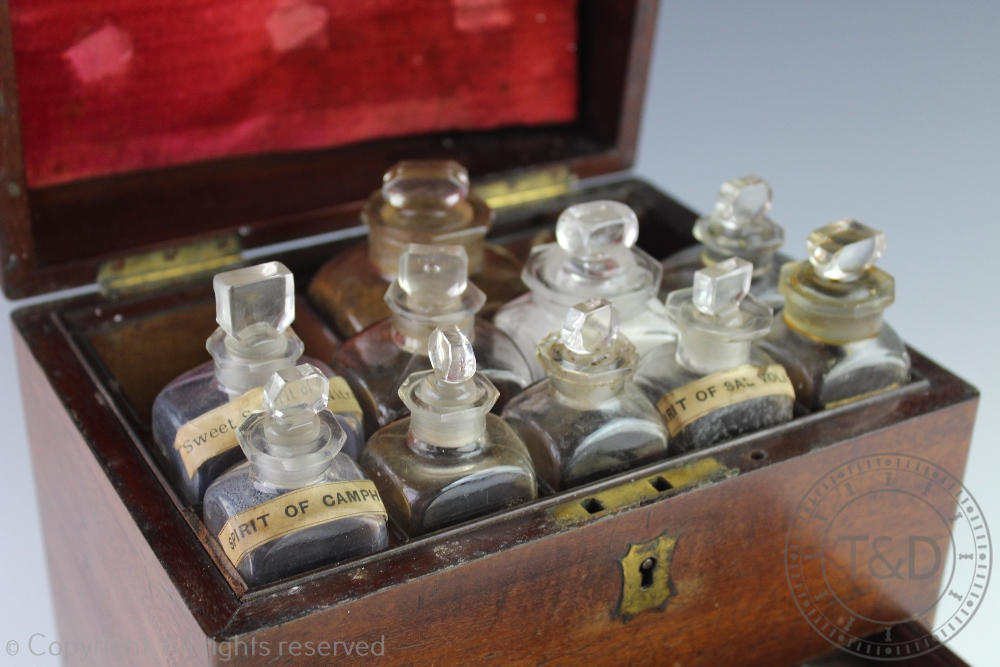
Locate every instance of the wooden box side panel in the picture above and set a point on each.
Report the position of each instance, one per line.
(555, 599)
(114, 601)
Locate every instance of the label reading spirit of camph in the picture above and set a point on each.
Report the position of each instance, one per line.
(693, 401)
(214, 432)
(297, 510)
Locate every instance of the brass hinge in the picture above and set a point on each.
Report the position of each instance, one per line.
(168, 266)
(524, 187)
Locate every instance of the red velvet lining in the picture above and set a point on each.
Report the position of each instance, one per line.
(109, 86)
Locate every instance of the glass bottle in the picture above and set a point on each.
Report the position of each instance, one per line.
(738, 227)
(587, 419)
(298, 501)
(450, 460)
(714, 383)
(195, 416)
(593, 257)
(421, 201)
(831, 336)
(431, 290)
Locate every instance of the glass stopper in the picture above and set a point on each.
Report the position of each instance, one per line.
(741, 200)
(255, 297)
(299, 391)
(425, 183)
(592, 229)
(719, 289)
(845, 249)
(451, 355)
(433, 270)
(589, 327)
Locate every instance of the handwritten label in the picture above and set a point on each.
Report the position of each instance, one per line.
(214, 432)
(693, 401)
(296, 511)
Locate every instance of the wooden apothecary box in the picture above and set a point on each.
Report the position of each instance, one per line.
(143, 143)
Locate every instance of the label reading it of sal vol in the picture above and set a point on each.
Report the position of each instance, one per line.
(693, 401)
(214, 432)
(296, 510)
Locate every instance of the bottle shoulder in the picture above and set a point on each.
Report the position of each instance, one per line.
(391, 443)
(660, 370)
(352, 261)
(190, 395)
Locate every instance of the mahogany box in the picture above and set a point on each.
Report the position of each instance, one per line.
(147, 145)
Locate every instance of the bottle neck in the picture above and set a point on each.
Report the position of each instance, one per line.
(588, 379)
(587, 395)
(834, 312)
(703, 353)
(411, 333)
(762, 259)
(447, 415)
(290, 455)
(392, 230)
(242, 365)
(756, 241)
(450, 442)
(556, 283)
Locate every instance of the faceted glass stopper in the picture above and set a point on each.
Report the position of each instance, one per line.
(845, 249)
(719, 289)
(254, 297)
(425, 183)
(589, 327)
(451, 355)
(741, 200)
(594, 228)
(433, 270)
(300, 390)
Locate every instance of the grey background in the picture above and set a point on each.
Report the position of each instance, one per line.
(885, 112)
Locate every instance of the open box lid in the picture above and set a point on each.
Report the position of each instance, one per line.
(129, 127)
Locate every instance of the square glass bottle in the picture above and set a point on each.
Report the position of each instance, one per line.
(421, 201)
(593, 257)
(738, 227)
(195, 416)
(298, 501)
(831, 337)
(714, 384)
(431, 290)
(587, 419)
(450, 460)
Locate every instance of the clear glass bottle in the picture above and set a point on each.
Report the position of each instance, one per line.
(587, 419)
(831, 337)
(195, 416)
(738, 227)
(421, 201)
(298, 501)
(450, 460)
(593, 257)
(431, 290)
(714, 384)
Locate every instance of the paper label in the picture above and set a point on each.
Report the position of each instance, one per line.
(693, 401)
(296, 511)
(214, 432)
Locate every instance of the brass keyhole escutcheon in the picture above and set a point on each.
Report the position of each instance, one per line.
(645, 576)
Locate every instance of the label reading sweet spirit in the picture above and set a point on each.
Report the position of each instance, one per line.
(214, 432)
(295, 511)
(718, 390)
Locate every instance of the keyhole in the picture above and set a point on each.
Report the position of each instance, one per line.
(646, 572)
